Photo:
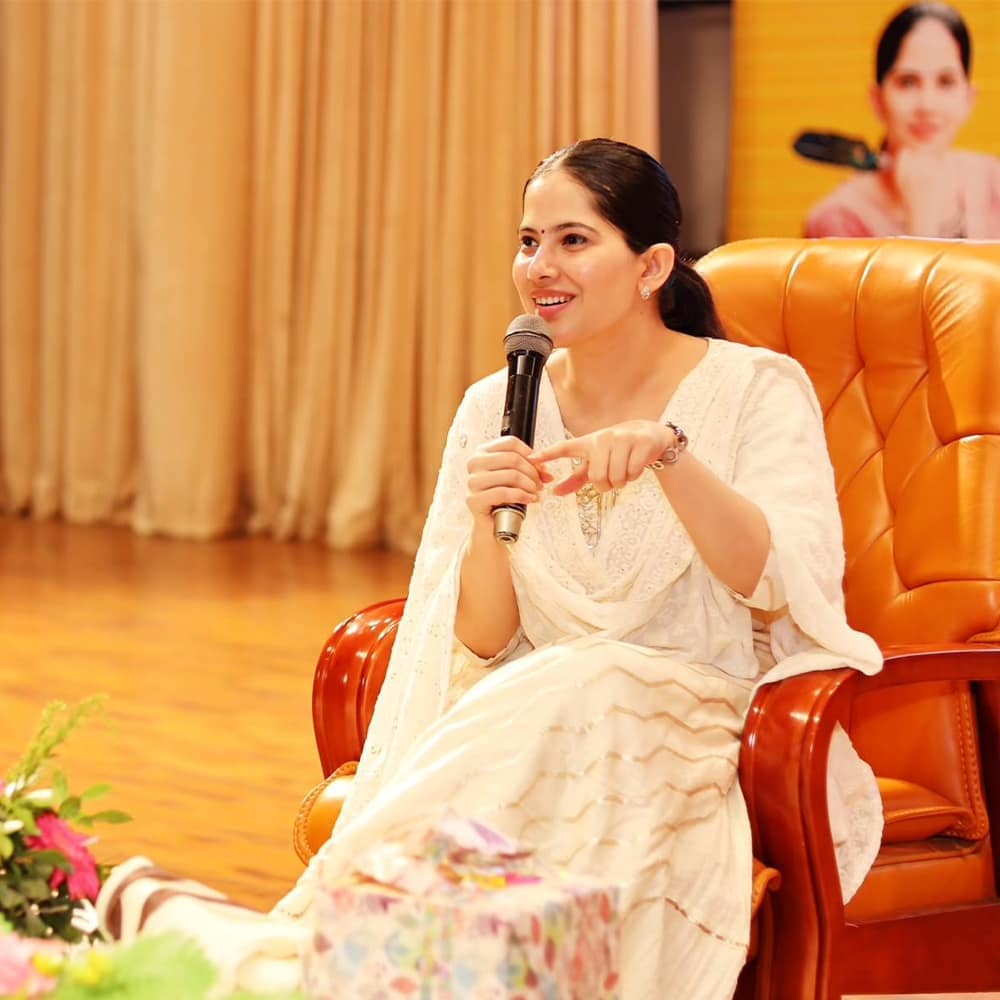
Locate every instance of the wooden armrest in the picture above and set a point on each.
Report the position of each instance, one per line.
(349, 674)
(787, 736)
(953, 662)
(783, 765)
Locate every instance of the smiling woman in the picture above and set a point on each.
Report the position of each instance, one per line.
(583, 691)
(923, 95)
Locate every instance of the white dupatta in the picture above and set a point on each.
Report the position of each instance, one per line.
(753, 418)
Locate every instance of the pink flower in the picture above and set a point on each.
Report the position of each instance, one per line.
(56, 835)
(19, 976)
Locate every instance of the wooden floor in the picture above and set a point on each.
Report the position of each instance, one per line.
(206, 651)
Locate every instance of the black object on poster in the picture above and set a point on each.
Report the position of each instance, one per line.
(840, 150)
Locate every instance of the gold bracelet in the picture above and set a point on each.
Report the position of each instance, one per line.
(671, 454)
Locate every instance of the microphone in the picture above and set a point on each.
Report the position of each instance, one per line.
(840, 150)
(528, 346)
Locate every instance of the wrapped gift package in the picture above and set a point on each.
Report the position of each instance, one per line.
(466, 915)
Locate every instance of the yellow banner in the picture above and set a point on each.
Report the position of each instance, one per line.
(808, 65)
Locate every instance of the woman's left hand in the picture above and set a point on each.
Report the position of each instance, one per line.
(609, 458)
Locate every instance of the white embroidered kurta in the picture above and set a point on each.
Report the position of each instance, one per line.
(607, 735)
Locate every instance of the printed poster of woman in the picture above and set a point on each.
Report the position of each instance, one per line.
(911, 152)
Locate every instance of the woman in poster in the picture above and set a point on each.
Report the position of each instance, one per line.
(923, 95)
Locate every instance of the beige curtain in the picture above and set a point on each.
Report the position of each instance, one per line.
(252, 251)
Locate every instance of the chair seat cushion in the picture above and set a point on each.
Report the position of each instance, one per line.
(913, 812)
(924, 876)
(320, 810)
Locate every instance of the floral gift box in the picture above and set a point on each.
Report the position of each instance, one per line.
(463, 921)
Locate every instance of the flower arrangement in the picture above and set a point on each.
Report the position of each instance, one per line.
(48, 877)
(159, 967)
(50, 946)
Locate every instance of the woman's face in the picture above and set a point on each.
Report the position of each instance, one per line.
(926, 97)
(573, 267)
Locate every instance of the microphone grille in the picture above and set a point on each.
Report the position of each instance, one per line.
(528, 333)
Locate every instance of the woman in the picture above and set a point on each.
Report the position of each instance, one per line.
(923, 96)
(584, 690)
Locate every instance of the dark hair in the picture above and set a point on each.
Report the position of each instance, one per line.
(906, 20)
(634, 193)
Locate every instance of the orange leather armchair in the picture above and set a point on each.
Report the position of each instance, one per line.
(902, 341)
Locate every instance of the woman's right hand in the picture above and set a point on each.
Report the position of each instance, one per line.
(500, 473)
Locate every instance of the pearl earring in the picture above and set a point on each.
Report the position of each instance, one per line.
(645, 293)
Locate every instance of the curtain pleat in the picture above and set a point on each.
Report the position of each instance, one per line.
(277, 183)
(23, 99)
(253, 251)
(193, 267)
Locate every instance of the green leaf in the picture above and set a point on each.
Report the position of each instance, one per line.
(51, 859)
(159, 967)
(66, 931)
(26, 814)
(60, 789)
(95, 792)
(35, 889)
(70, 809)
(10, 898)
(56, 724)
(6, 846)
(109, 816)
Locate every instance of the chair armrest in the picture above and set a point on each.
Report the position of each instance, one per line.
(953, 662)
(786, 743)
(787, 735)
(783, 764)
(349, 675)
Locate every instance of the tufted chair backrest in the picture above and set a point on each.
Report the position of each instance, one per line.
(901, 338)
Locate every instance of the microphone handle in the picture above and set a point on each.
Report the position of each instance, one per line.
(524, 370)
(519, 414)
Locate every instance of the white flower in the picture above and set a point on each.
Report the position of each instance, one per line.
(12, 826)
(84, 917)
(24, 781)
(40, 795)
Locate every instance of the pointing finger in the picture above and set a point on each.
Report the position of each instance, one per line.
(564, 449)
